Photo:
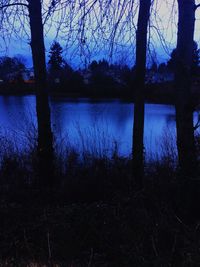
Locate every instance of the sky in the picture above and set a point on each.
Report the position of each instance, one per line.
(95, 48)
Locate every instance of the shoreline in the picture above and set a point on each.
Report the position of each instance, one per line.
(154, 94)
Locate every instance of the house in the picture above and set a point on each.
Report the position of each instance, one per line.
(86, 74)
(28, 76)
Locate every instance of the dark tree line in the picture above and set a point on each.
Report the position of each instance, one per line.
(98, 78)
(12, 68)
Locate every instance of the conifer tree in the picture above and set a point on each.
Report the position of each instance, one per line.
(55, 57)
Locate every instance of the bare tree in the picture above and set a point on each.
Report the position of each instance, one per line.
(184, 107)
(45, 139)
(140, 69)
(33, 9)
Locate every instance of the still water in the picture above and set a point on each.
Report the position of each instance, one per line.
(96, 126)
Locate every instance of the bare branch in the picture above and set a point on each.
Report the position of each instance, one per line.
(197, 6)
(14, 4)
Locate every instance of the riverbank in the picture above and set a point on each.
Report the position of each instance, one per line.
(154, 93)
(162, 94)
(94, 216)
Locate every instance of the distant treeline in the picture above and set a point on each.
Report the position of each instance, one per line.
(98, 79)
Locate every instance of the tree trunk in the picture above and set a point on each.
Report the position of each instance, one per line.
(45, 139)
(138, 129)
(184, 109)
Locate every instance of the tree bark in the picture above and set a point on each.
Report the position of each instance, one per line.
(140, 70)
(45, 138)
(184, 109)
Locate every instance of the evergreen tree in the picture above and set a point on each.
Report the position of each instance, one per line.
(195, 59)
(55, 57)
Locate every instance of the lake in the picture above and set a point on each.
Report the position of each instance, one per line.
(95, 126)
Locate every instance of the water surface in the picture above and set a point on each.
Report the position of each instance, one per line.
(93, 125)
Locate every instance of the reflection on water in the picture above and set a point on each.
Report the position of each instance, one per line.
(99, 123)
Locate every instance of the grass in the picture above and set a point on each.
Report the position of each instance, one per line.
(94, 217)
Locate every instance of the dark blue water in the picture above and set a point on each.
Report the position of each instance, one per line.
(85, 124)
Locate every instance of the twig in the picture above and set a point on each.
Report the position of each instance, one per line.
(197, 6)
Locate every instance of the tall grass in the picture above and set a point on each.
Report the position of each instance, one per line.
(166, 152)
(94, 150)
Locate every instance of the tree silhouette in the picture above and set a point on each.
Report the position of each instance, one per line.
(45, 138)
(55, 57)
(33, 9)
(11, 66)
(195, 59)
(140, 69)
(184, 109)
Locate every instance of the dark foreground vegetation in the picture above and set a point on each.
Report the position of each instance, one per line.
(93, 216)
